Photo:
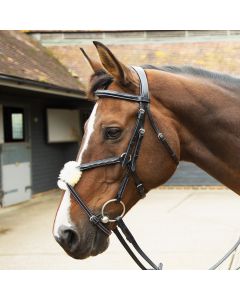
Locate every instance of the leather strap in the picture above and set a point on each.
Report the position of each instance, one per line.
(118, 95)
(92, 217)
(132, 240)
(162, 138)
(128, 249)
(234, 248)
(139, 123)
(101, 162)
(144, 90)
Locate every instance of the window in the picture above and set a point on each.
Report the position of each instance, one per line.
(17, 126)
(13, 124)
(63, 125)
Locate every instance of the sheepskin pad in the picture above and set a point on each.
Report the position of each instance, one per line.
(70, 174)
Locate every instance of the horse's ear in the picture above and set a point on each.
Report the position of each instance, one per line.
(95, 65)
(118, 70)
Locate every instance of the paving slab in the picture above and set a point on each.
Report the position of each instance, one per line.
(184, 229)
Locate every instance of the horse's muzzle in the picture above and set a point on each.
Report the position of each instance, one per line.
(92, 244)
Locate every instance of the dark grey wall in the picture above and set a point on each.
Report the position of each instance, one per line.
(189, 174)
(46, 159)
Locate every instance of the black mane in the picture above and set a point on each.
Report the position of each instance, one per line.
(102, 79)
(99, 80)
(221, 79)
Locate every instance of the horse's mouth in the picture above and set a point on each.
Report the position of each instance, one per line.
(92, 246)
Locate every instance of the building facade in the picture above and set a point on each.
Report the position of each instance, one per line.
(42, 112)
(43, 106)
(214, 50)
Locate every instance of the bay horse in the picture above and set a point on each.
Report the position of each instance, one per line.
(197, 115)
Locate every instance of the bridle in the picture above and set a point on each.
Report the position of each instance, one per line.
(128, 161)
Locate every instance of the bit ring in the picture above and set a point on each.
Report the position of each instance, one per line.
(109, 201)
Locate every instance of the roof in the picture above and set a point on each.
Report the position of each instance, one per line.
(23, 57)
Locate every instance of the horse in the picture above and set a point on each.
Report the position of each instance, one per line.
(195, 114)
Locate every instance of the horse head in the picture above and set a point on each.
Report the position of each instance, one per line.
(107, 133)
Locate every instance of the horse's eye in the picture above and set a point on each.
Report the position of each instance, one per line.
(112, 133)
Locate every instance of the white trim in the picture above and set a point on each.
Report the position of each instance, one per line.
(89, 132)
(63, 217)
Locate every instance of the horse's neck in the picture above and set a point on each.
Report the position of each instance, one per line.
(208, 118)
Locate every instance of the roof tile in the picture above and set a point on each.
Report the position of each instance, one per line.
(23, 57)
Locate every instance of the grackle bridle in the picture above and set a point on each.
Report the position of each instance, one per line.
(128, 161)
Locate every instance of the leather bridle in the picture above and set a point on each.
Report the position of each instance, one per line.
(128, 161)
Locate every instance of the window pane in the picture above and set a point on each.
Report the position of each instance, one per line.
(17, 126)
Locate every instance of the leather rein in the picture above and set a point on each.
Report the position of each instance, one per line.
(128, 161)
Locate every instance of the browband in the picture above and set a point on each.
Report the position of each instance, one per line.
(143, 97)
(118, 95)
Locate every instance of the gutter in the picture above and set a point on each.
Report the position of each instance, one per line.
(36, 86)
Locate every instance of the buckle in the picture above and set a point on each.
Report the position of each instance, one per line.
(141, 131)
(141, 190)
(161, 137)
(125, 159)
(94, 219)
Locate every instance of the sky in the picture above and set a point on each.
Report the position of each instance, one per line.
(119, 14)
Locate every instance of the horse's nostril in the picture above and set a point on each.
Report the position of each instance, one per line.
(68, 238)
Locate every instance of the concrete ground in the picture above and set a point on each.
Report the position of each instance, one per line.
(184, 229)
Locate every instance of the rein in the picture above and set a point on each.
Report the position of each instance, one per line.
(128, 161)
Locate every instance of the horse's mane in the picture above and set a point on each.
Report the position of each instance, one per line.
(102, 79)
(221, 79)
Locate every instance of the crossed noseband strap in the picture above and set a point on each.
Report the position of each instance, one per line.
(128, 161)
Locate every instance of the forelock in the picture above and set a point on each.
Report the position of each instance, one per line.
(99, 80)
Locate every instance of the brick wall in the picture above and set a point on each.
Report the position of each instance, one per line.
(223, 56)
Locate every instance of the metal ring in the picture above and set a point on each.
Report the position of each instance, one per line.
(109, 201)
(123, 154)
